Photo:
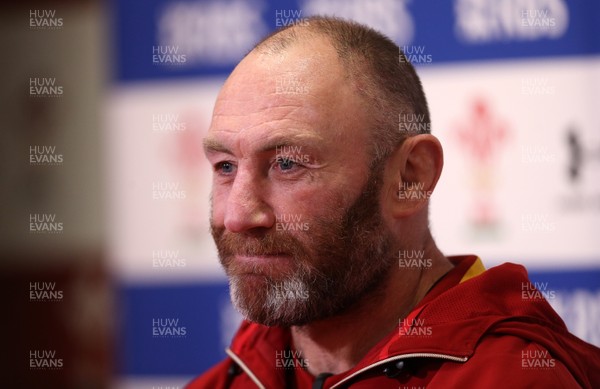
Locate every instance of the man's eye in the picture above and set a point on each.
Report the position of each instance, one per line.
(286, 163)
(224, 167)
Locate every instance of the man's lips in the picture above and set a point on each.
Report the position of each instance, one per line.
(260, 264)
(262, 258)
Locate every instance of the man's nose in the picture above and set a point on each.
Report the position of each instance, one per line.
(246, 208)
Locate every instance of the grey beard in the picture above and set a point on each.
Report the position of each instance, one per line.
(284, 303)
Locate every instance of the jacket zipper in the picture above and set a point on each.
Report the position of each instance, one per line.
(245, 368)
(369, 367)
(397, 357)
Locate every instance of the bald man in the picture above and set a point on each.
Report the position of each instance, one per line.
(323, 167)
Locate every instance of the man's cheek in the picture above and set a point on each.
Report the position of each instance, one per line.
(305, 199)
(218, 206)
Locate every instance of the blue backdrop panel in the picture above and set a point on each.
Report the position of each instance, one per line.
(196, 307)
(136, 33)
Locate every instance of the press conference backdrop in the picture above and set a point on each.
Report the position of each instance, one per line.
(514, 92)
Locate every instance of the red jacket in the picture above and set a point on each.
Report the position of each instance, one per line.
(474, 329)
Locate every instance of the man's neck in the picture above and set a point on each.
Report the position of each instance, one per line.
(336, 344)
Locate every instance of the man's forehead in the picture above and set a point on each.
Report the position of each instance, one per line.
(268, 127)
(302, 89)
(305, 67)
(277, 90)
(262, 142)
(268, 105)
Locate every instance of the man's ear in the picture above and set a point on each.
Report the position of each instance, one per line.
(413, 169)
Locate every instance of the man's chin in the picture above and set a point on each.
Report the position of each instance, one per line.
(250, 297)
(275, 322)
(270, 319)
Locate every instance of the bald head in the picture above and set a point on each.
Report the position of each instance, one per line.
(376, 68)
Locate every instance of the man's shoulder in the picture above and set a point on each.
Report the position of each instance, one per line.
(510, 361)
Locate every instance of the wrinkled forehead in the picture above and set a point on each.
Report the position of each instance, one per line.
(303, 84)
(305, 69)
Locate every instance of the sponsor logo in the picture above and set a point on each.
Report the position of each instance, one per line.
(579, 309)
(214, 32)
(482, 21)
(391, 17)
(537, 18)
(482, 136)
(583, 155)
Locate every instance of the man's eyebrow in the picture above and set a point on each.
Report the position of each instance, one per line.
(313, 141)
(211, 144)
(308, 140)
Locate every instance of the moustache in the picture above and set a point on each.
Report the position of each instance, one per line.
(280, 243)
